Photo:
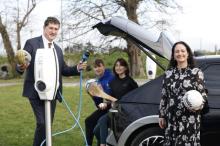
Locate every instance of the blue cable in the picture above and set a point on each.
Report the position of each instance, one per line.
(74, 117)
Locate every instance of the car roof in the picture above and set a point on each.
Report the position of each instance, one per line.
(201, 60)
(208, 57)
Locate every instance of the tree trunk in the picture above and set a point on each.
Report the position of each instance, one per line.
(18, 31)
(134, 53)
(8, 48)
(135, 62)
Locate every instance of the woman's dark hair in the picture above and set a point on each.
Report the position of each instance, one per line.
(52, 20)
(122, 62)
(190, 59)
(98, 62)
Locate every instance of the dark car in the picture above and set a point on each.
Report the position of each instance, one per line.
(134, 118)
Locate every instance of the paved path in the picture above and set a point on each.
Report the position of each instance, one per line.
(139, 81)
(9, 84)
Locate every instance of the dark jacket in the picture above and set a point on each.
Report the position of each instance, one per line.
(120, 87)
(104, 81)
(31, 46)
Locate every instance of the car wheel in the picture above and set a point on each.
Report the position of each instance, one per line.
(153, 136)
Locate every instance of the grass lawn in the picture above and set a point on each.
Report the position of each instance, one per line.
(17, 122)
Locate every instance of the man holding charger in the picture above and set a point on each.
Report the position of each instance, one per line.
(26, 61)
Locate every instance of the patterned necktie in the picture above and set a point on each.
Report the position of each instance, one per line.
(49, 45)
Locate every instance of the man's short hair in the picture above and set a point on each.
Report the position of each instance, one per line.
(98, 62)
(51, 20)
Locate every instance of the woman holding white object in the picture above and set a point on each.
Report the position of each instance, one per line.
(182, 125)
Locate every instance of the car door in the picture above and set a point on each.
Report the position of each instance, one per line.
(210, 130)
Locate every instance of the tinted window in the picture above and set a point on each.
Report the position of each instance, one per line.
(212, 79)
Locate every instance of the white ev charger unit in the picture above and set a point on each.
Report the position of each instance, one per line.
(46, 73)
(151, 68)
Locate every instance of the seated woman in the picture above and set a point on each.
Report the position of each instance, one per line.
(120, 85)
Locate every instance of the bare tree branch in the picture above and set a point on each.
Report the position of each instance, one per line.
(24, 21)
(5, 29)
(87, 13)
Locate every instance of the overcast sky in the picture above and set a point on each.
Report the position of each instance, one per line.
(198, 25)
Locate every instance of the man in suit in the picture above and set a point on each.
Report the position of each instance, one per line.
(46, 41)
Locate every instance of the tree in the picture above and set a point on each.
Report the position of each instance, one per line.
(7, 45)
(20, 23)
(87, 12)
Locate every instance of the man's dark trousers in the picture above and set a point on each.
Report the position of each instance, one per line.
(39, 112)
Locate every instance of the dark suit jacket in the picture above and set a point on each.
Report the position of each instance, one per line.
(31, 46)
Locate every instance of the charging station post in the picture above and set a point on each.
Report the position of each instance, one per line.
(46, 73)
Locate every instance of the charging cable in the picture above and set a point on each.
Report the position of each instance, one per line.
(75, 118)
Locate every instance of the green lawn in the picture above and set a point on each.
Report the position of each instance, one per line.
(17, 122)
